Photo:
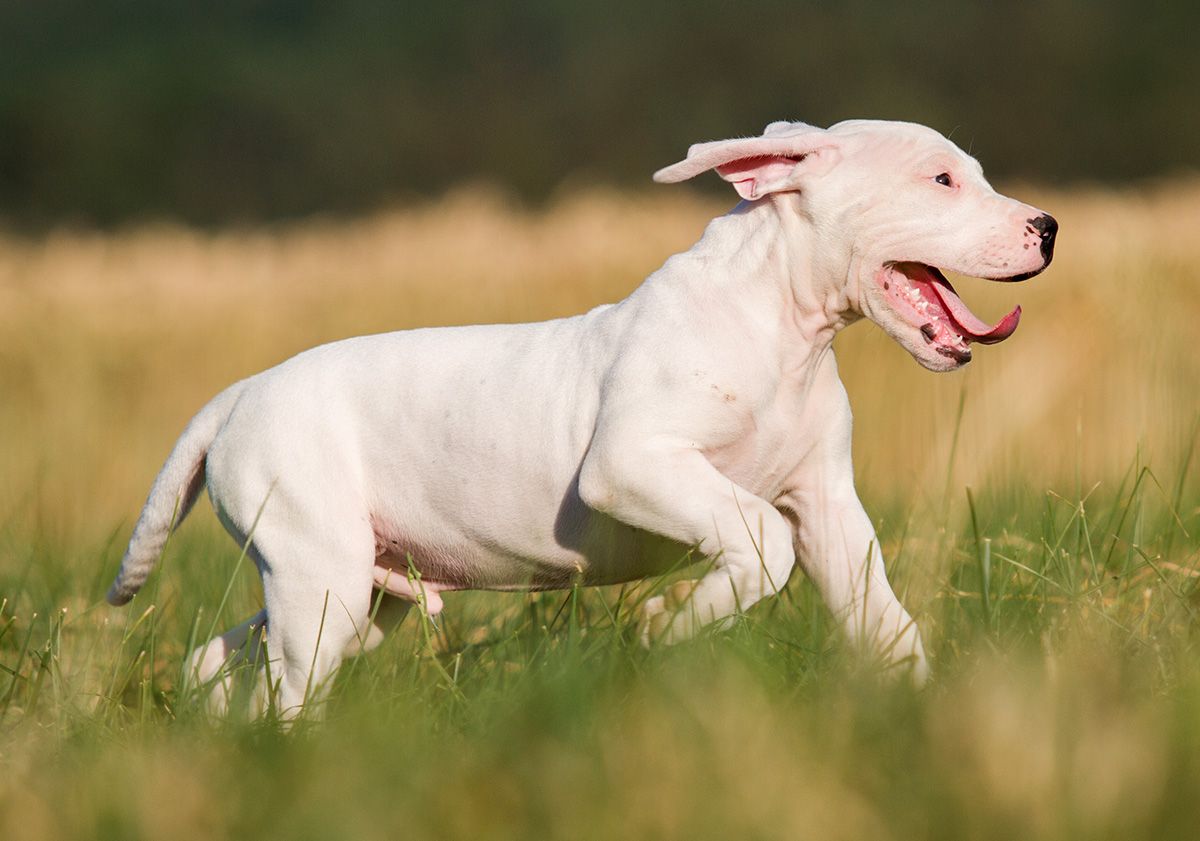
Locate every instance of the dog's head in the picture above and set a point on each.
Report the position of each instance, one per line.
(893, 205)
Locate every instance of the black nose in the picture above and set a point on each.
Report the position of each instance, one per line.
(1047, 227)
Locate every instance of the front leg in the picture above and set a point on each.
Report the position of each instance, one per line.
(672, 490)
(836, 543)
(838, 549)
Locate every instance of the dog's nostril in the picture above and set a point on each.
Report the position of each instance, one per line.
(1046, 227)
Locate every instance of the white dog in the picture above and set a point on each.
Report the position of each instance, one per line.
(704, 410)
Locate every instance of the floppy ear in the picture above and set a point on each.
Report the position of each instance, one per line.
(773, 163)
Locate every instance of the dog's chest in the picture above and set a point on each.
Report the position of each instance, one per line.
(772, 443)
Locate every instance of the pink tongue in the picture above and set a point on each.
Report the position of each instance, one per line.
(971, 325)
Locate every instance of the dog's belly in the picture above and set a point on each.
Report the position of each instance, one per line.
(583, 547)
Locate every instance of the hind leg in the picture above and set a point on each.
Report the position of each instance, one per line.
(318, 600)
(317, 586)
(230, 664)
(232, 667)
(382, 621)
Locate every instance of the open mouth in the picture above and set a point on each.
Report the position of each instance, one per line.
(926, 299)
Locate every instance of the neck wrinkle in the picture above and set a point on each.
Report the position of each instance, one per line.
(769, 246)
(816, 299)
(759, 263)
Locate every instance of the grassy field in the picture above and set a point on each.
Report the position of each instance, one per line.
(1039, 513)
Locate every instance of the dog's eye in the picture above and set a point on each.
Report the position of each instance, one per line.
(944, 179)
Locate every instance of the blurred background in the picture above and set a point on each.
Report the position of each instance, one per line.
(252, 110)
(192, 192)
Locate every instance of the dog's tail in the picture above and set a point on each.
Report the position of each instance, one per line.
(172, 495)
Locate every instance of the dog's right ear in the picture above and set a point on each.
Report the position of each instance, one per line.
(776, 162)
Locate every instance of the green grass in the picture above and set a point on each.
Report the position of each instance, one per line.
(1065, 701)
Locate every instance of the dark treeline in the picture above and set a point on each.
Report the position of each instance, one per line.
(233, 110)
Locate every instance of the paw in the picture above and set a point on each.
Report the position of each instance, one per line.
(904, 660)
(919, 668)
(654, 621)
(668, 618)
